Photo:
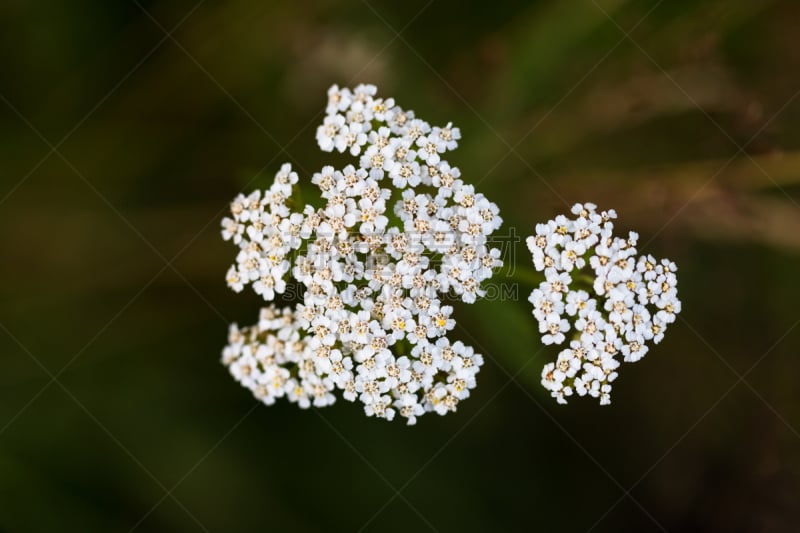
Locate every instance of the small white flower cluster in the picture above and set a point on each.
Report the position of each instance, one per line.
(596, 288)
(277, 358)
(265, 232)
(372, 266)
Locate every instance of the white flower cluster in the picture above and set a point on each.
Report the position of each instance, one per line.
(597, 291)
(372, 265)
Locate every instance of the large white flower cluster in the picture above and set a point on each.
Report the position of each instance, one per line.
(396, 234)
(599, 299)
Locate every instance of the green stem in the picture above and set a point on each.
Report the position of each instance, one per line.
(525, 275)
(401, 347)
(296, 199)
(532, 277)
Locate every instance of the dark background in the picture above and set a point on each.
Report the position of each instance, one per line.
(121, 146)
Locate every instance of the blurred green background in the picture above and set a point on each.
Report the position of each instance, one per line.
(125, 130)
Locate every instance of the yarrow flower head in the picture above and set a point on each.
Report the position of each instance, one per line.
(600, 301)
(397, 232)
